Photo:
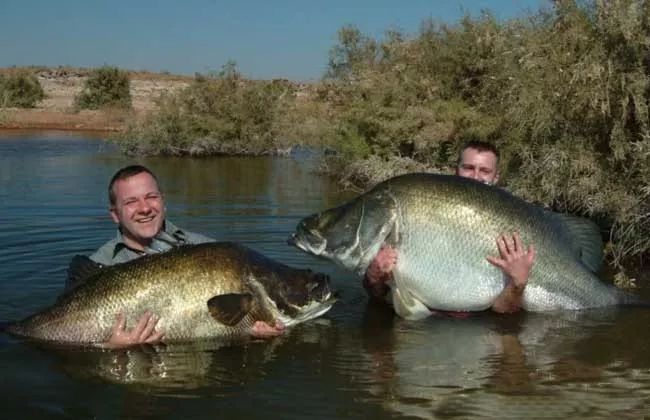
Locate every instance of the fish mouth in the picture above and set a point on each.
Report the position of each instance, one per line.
(313, 309)
(310, 243)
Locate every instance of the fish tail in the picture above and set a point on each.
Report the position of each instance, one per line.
(9, 328)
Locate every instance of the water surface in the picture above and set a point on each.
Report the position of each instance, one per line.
(357, 361)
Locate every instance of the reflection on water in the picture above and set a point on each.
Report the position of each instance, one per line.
(358, 361)
(530, 365)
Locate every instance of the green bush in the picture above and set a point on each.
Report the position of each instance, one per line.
(217, 113)
(105, 87)
(20, 89)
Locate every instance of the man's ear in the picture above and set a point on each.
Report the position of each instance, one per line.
(496, 178)
(113, 211)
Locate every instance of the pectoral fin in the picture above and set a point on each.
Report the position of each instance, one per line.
(230, 308)
(407, 306)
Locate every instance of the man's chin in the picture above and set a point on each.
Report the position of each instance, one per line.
(146, 234)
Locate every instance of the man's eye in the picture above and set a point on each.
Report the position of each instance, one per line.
(129, 202)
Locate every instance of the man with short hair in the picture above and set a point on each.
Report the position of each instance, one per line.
(477, 160)
(137, 206)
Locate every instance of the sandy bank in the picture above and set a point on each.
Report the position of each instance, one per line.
(56, 111)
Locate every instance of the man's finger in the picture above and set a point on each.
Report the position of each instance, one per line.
(155, 337)
(502, 246)
(518, 245)
(149, 328)
(141, 324)
(498, 262)
(263, 330)
(507, 243)
(531, 254)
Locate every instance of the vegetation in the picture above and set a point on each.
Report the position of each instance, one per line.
(20, 89)
(217, 113)
(564, 94)
(105, 87)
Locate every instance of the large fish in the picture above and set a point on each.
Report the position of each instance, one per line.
(213, 290)
(443, 227)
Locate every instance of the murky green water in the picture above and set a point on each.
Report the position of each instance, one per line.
(358, 361)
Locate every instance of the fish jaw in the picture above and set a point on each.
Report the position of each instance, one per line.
(312, 310)
(310, 242)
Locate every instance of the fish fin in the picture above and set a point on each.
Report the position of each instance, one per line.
(585, 239)
(80, 269)
(230, 308)
(407, 306)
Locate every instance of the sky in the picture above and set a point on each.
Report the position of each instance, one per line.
(267, 39)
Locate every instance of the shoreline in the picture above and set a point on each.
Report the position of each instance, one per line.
(57, 112)
(23, 119)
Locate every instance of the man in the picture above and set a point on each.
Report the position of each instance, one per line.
(138, 208)
(477, 160)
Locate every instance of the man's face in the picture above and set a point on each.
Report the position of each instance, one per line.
(139, 209)
(481, 166)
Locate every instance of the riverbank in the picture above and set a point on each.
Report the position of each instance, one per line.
(61, 85)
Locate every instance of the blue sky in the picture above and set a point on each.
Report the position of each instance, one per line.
(268, 39)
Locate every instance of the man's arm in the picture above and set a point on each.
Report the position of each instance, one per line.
(516, 262)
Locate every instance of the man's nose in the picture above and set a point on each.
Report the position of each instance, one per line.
(143, 206)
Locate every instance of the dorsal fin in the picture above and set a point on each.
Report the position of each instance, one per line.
(230, 308)
(80, 269)
(585, 239)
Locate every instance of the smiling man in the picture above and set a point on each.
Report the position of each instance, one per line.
(137, 206)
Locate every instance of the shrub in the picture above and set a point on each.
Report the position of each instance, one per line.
(217, 113)
(20, 89)
(106, 87)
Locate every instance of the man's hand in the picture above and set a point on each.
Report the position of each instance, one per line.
(380, 271)
(144, 332)
(516, 262)
(263, 330)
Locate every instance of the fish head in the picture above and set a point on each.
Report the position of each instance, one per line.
(298, 295)
(351, 234)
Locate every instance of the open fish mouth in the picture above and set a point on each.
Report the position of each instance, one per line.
(313, 309)
(312, 243)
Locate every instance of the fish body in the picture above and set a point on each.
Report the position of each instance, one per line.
(442, 228)
(212, 290)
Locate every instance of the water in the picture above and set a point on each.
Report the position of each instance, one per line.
(358, 361)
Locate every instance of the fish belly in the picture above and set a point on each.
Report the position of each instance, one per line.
(447, 280)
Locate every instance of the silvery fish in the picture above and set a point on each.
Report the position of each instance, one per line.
(443, 227)
(212, 290)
